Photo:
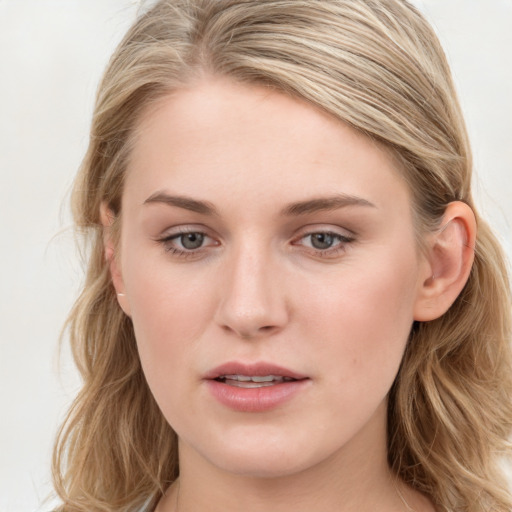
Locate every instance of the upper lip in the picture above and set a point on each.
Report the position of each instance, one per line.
(260, 369)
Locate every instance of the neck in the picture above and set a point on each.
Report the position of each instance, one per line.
(313, 489)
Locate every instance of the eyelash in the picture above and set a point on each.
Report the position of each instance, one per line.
(337, 249)
(168, 241)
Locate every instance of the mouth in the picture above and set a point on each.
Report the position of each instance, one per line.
(254, 387)
(253, 381)
(249, 375)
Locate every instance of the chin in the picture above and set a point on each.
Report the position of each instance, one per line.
(267, 457)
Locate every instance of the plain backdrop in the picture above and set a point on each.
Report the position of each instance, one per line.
(52, 53)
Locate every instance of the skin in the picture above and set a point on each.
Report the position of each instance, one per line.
(257, 289)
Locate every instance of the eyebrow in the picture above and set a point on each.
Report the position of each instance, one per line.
(187, 203)
(292, 210)
(324, 204)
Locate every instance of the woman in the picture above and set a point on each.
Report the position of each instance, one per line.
(291, 301)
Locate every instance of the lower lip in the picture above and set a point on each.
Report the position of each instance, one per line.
(255, 399)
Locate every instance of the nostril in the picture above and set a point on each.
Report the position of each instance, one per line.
(248, 335)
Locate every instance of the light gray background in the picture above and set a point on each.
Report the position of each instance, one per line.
(52, 53)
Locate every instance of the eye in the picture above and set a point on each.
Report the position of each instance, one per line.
(186, 243)
(191, 241)
(324, 243)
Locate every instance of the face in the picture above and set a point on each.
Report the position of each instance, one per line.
(268, 263)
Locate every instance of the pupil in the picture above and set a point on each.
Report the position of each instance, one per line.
(192, 240)
(322, 240)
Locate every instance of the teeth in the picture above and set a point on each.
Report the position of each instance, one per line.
(268, 378)
(253, 381)
(255, 378)
(241, 378)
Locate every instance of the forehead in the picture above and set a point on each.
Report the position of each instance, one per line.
(223, 140)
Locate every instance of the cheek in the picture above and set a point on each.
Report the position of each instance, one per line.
(365, 312)
(168, 311)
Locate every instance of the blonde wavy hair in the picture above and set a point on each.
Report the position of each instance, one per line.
(377, 65)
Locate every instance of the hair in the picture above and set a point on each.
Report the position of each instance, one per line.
(378, 66)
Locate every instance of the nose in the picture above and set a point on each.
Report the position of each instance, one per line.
(253, 296)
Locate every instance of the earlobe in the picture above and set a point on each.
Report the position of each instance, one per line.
(108, 218)
(450, 256)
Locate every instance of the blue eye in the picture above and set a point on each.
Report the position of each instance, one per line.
(191, 241)
(186, 243)
(324, 243)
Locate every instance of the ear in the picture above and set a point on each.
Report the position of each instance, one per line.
(450, 255)
(108, 218)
